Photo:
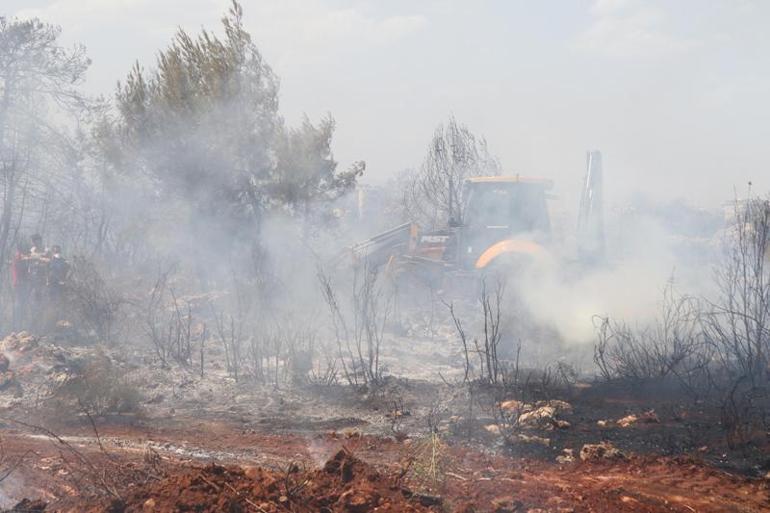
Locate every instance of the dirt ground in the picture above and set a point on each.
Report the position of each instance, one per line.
(175, 471)
(208, 444)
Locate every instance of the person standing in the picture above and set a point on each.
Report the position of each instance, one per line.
(58, 267)
(37, 270)
(20, 282)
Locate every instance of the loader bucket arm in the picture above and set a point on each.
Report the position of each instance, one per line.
(378, 250)
(590, 229)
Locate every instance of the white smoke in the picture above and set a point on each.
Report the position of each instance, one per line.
(629, 285)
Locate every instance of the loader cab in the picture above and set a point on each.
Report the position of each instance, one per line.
(498, 208)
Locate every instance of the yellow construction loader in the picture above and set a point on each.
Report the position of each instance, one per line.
(505, 225)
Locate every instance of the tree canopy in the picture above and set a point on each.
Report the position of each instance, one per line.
(201, 133)
(204, 126)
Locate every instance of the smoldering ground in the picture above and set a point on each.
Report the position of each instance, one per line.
(218, 308)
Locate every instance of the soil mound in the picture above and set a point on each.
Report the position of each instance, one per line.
(345, 485)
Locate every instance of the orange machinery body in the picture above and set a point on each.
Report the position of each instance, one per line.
(505, 216)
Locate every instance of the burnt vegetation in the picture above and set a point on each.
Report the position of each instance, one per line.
(715, 350)
(203, 296)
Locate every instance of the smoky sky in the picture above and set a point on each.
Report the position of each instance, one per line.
(673, 93)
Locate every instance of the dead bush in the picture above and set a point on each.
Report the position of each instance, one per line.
(324, 372)
(280, 352)
(673, 346)
(481, 355)
(737, 325)
(169, 323)
(92, 301)
(229, 333)
(717, 348)
(260, 344)
(492, 382)
(96, 387)
(359, 325)
(300, 354)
